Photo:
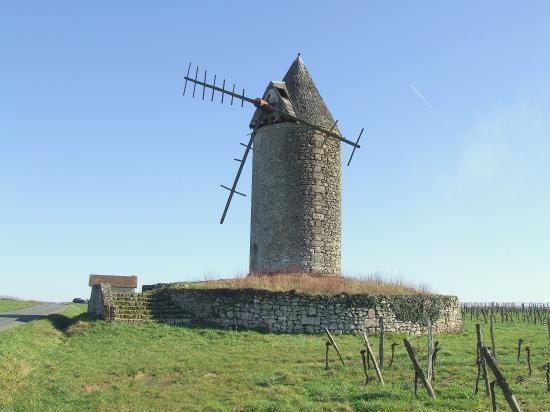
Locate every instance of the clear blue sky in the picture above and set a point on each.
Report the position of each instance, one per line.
(106, 168)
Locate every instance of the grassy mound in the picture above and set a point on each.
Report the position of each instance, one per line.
(312, 284)
(70, 362)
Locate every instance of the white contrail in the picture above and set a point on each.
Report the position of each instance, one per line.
(427, 103)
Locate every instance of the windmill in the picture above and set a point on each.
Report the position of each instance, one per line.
(296, 173)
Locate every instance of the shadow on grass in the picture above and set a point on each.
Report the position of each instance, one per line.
(372, 396)
(62, 322)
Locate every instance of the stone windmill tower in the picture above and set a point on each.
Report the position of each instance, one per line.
(296, 175)
(296, 182)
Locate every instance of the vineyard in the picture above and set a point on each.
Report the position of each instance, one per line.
(73, 362)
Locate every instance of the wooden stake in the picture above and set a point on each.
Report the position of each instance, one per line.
(364, 358)
(393, 345)
(381, 342)
(491, 332)
(520, 341)
(371, 354)
(548, 377)
(434, 356)
(418, 369)
(493, 395)
(331, 339)
(483, 362)
(478, 363)
(528, 350)
(328, 344)
(430, 351)
(501, 380)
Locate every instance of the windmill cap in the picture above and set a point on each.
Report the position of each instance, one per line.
(306, 99)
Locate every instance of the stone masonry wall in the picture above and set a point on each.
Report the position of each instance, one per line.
(296, 201)
(101, 302)
(299, 313)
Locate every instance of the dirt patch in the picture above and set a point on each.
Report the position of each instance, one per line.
(94, 387)
(76, 328)
(143, 376)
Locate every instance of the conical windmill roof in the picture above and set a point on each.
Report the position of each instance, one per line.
(306, 99)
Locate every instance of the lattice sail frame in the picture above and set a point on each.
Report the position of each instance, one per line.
(264, 105)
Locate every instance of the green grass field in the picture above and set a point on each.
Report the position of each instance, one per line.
(7, 305)
(68, 362)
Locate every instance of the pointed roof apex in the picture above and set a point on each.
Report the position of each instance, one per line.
(306, 99)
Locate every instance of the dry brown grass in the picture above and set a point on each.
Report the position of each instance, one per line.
(313, 284)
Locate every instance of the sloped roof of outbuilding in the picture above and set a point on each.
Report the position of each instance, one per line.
(114, 281)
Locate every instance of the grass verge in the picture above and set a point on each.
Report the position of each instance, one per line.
(8, 305)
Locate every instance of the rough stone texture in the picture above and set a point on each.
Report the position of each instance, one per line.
(296, 201)
(101, 302)
(296, 188)
(141, 307)
(289, 312)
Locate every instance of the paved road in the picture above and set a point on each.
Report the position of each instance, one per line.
(18, 317)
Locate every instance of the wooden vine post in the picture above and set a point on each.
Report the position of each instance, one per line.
(417, 369)
(482, 362)
(493, 395)
(434, 356)
(492, 333)
(393, 345)
(501, 380)
(333, 343)
(520, 341)
(371, 354)
(429, 373)
(381, 342)
(364, 359)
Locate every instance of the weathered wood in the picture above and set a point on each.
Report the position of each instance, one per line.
(328, 345)
(520, 341)
(501, 380)
(381, 342)
(393, 345)
(548, 377)
(371, 354)
(492, 333)
(364, 359)
(493, 396)
(429, 372)
(418, 369)
(434, 356)
(483, 362)
(478, 363)
(331, 339)
(528, 350)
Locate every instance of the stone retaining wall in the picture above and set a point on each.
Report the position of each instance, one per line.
(290, 312)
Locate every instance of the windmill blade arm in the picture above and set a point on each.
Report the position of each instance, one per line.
(329, 133)
(221, 90)
(233, 190)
